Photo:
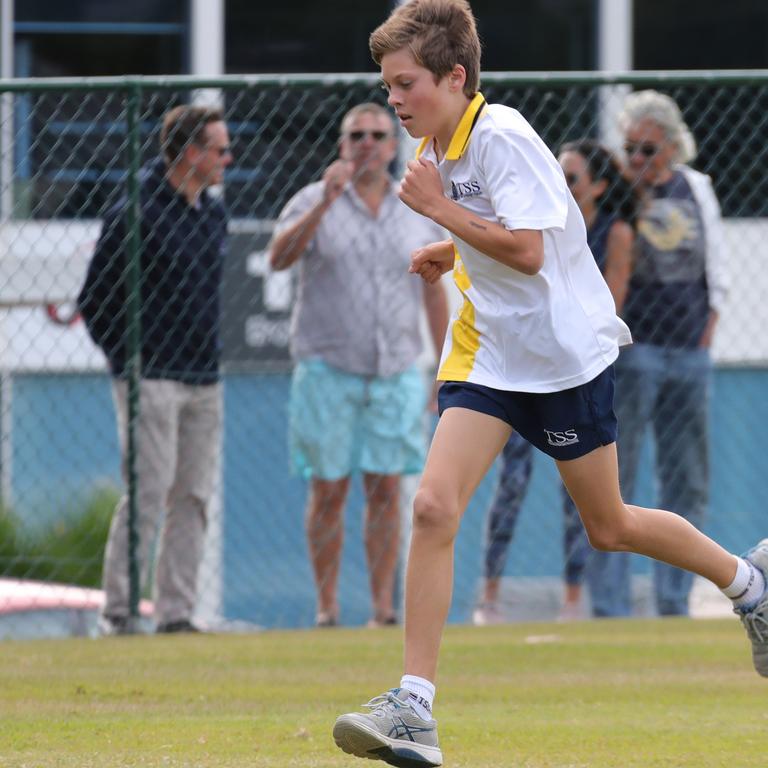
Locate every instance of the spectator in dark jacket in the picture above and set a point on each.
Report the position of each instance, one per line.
(182, 239)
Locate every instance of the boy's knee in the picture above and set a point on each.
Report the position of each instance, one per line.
(603, 541)
(615, 536)
(433, 512)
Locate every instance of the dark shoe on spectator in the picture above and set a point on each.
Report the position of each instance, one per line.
(175, 627)
(326, 619)
(382, 621)
(109, 626)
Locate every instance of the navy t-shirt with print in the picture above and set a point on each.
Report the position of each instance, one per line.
(668, 302)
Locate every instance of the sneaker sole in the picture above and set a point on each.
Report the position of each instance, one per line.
(356, 738)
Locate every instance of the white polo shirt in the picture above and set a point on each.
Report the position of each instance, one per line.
(525, 333)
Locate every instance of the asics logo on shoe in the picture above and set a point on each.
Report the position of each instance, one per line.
(400, 730)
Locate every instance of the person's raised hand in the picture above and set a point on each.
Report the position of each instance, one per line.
(335, 178)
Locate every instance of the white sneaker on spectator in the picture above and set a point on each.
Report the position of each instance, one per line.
(571, 612)
(488, 615)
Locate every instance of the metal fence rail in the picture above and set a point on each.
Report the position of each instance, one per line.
(70, 148)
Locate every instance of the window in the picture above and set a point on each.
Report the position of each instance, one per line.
(547, 35)
(701, 34)
(301, 35)
(73, 11)
(306, 36)
(70, 147)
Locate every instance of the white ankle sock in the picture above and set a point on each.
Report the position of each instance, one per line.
(747, 586)
(422, 694)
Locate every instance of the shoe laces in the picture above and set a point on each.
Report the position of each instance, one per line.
(384, 704)
(756, 622)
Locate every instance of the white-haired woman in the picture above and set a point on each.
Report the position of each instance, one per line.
(675, 294)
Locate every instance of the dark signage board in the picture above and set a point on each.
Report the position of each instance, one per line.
(256, 302)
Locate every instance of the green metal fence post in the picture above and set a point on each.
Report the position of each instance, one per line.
(133, 360)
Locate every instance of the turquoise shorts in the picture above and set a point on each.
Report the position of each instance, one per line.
(342, 422)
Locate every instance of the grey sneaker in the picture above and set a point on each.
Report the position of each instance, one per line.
(755, 621)
(391, 732)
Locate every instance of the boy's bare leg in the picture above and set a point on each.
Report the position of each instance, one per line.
(593, 482)
(464, 447)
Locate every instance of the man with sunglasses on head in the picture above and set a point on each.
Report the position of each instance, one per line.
(182, 243)
(677, 289)
(357, 397)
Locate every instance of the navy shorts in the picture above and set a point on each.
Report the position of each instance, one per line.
(565, 424)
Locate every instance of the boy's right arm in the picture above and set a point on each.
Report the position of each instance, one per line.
(520, 249)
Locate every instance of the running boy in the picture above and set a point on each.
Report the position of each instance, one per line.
(531, 349)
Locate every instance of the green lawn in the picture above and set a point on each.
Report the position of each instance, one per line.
(615, 694)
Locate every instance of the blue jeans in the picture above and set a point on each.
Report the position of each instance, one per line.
(667, 389)
(514, 476)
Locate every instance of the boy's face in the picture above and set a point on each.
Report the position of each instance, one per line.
(418, 101)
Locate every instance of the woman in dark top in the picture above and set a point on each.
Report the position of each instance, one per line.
(609, 207)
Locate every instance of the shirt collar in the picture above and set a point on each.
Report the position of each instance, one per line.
(461, 136)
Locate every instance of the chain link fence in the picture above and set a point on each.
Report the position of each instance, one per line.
(68, 150)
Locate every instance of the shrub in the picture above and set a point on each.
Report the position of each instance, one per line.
(70, 550)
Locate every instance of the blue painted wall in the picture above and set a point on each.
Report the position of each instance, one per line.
(64, 443)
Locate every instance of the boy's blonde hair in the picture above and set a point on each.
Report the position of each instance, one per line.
(438, 33)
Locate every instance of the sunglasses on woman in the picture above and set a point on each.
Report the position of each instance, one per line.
(645, 149)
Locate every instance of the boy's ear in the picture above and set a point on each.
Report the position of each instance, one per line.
(457, 77)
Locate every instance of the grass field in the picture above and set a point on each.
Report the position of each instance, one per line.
(615, 694)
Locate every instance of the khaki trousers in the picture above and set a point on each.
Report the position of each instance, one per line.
(178, 438)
